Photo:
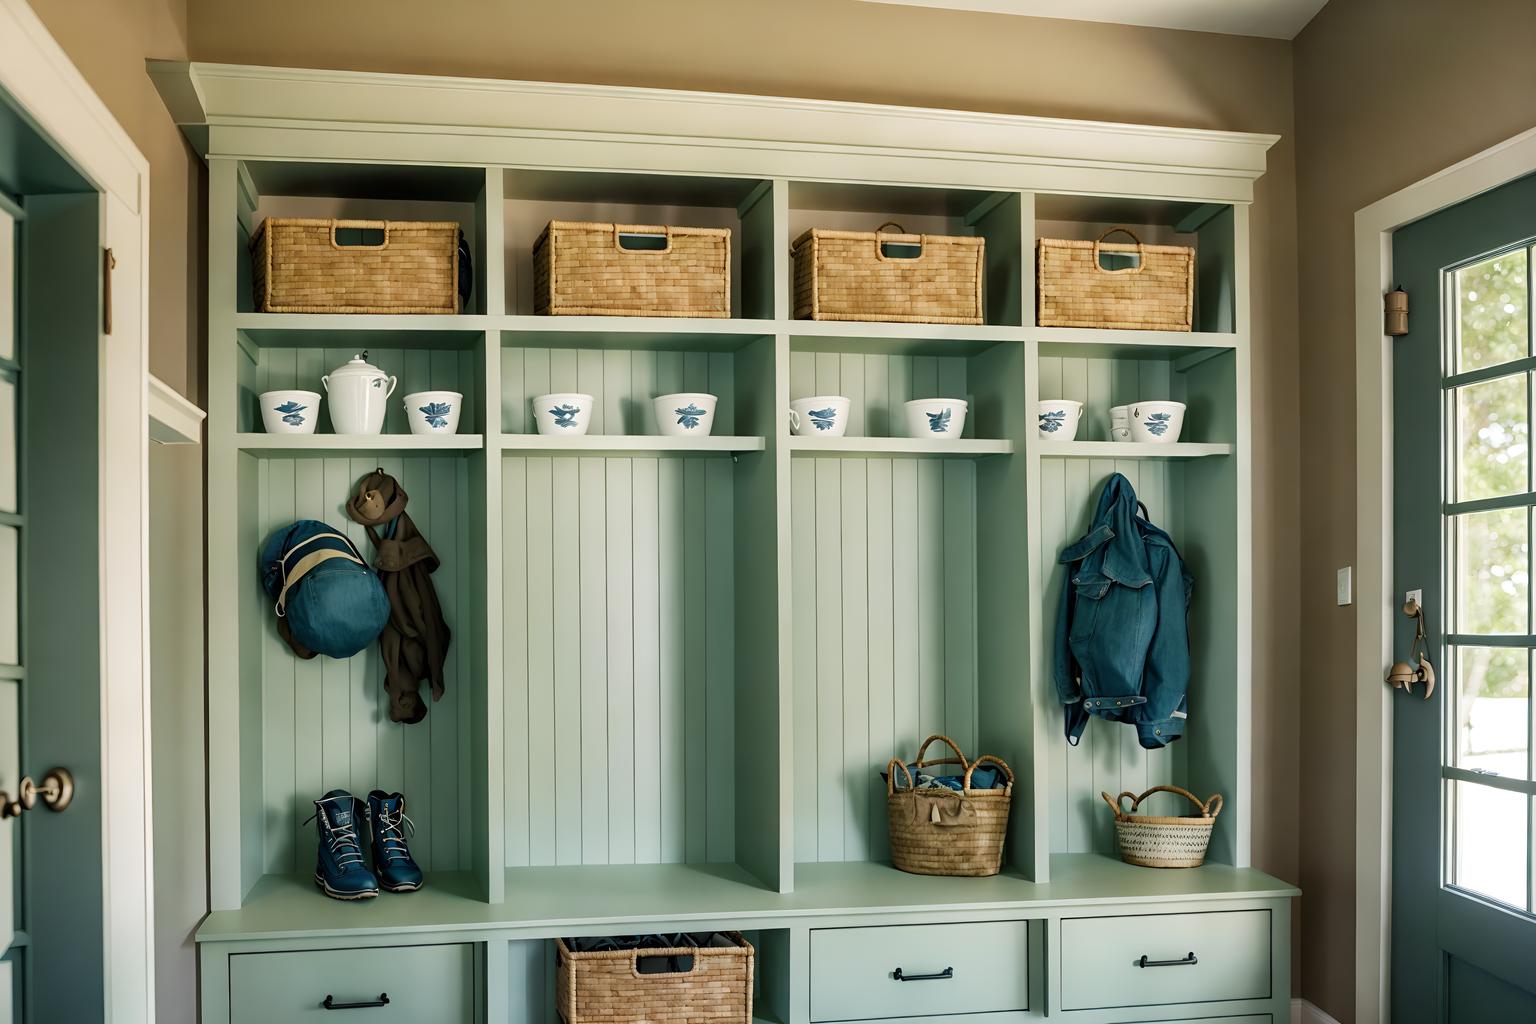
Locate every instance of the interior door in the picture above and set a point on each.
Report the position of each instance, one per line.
(10, 640)
(1463, 930)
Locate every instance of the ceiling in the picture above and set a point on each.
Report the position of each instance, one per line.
(1276, 19)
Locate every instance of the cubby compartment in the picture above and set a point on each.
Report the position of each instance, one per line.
(531, 966)
(1209, 229)
(1196, 500)
(293, 356)
(323, 724)
(994, 216)
(360, 192)
(533, 198)
(624, 372)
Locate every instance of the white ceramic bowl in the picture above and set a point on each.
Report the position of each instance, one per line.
(1157, 422)
(819, 416)
(936, 419)
(290, 412)
(686, 414)
(433, 412)
(1120, 423)
(562, 415)
(1059, 418)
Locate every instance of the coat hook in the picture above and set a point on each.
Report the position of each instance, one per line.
(1403, 674)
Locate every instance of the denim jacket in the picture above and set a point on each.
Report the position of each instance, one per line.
(1122, 637)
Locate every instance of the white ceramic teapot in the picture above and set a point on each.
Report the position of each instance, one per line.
(357, 394)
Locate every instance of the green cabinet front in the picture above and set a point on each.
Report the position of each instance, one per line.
(393, 984)
(1161, 959)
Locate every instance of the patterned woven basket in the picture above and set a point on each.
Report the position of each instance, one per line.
(940, 831)
(1074, 290)
(1154, 842)
(608, 988)
(298, 266)
(582, 269)
(853, 275)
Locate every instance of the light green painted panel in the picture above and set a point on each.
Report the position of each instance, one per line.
(530, 982)
(619, 718)
(1100, 959)
(274, 369)
(324, 722)
(853, 970)
(422, 983)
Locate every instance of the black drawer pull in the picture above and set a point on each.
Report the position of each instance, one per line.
(331, 1003)
(1189, 961)
(944, 975)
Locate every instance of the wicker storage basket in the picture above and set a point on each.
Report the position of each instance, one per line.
(582, 269)
(940, 831)
(297, 266)
(608, 988)
(1074, 290)
(848, 275)
(1155, 842)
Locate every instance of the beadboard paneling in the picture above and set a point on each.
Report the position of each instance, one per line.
(416, 369)
(325, 722)
(618, 592)
(621, 383)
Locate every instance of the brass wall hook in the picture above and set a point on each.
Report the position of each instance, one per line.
(1403, 674)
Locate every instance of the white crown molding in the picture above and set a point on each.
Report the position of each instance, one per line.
(220, 96)
(172, 418)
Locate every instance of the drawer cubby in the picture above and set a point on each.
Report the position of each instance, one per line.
(995, 216)
(358, 191)
(1208, 228)
(534, 197)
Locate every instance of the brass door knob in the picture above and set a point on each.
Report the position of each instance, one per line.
(57, 791)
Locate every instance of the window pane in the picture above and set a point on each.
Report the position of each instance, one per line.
(1491, 311)
(1493, 438)
(1493, 700)
(1490, 838)
(1492, 572)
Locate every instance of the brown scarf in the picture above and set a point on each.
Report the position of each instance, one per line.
(414, 644)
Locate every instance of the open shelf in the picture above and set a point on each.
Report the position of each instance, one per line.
(896, 447)
(1108, 343)
(361, 330)
(622, 445)
(1130, 450)
(635, 333)
(342, 444)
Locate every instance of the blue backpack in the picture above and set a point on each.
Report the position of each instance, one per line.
(328, 601)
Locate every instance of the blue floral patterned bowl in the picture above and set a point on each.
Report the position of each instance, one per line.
(434, 412)
(689, 414)
(290, 412)
(1157, 422)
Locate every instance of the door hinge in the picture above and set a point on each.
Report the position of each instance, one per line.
(108, 264)
(1395, 314)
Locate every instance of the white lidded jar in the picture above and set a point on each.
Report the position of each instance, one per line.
(356, 394)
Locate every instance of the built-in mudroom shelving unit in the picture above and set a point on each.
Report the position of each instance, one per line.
(678, 665)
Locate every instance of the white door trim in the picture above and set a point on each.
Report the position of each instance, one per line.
(1374, 226)
(39, 76)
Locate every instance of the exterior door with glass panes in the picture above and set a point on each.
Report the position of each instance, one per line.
(1464, 487)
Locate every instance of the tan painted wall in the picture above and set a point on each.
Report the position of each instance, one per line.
(1456, 77)
(108, 41)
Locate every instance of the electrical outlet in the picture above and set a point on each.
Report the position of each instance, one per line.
(1346, 591)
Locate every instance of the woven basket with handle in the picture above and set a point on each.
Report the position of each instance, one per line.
(608, 988)
(582, 269)
(1075, 289)
(890, 276)
(940, 831)
(299, 265)
(1163, 842)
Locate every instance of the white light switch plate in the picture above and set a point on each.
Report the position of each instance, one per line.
(1346, 594)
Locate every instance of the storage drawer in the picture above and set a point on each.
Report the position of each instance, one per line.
(943, 969)
(1101, 959)
(1262, 1018)
(421, 982)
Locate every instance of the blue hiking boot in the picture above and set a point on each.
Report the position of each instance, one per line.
(392, 860)
(339, 868)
